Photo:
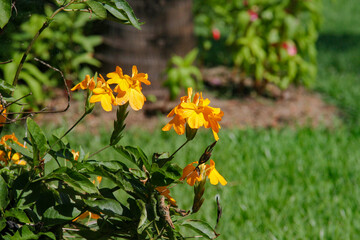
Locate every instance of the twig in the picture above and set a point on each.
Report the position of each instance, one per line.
(179, 149)
(44, 26)
(100, 150)
(43, 111)
(8, 61)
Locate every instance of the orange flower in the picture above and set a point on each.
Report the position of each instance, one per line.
(10, 137)
(2, 116)
(86, 214)
(98, 179)
(103, 93)
(193, 174)
(195, 113)
(128, 88)
(190, 174)
(87, 83)
(75, 154)
(166, 193)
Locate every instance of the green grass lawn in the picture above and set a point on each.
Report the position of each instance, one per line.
(291, 183)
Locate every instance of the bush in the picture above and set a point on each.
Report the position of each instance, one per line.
(270, 41)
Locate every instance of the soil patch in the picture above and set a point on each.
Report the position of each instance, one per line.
(296, 107)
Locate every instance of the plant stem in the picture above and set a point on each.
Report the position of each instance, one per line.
(69, 130)
(44, 26)
(172, 155)
(100, 150)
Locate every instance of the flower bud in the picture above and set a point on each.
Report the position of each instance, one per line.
(190, 133)
(89, 107)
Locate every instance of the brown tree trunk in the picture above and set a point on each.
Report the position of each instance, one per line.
(167, 30)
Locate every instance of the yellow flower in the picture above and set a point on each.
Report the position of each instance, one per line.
(104, 94)
(2, 116)
(87, 83)
(195, 113)
(128, 88)
(203, 171)
(166, 193)
(214, 175)
(16, 158)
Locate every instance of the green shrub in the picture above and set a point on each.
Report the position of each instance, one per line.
(271, 41)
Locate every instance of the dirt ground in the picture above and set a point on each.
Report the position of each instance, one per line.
(296, 107)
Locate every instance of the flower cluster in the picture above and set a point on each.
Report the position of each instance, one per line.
(7, 155)
(128, 89)
(195, 112)
(199, 173)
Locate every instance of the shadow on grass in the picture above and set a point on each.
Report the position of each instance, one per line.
(340, 52)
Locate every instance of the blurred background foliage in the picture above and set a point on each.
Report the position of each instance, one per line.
(67, 45)
(270, 41)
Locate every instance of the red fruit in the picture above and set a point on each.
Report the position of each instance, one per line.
(216, 34)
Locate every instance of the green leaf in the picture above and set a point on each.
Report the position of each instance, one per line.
(36, 73)
(60, 214)
(18, 214)
(143, 216)
(201, 227)
(6, 89)
(38, 138)
(107, 206)
(24, 233)
(190, 57)
(135, 155)
(166, 175)
(74, 179)
(4, 199)
(34, 85)
(5, 12)
(2, 223)
(121, 10)
(97, 8)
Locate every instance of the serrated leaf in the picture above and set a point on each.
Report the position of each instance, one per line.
(201, 227)
(107, 206)
(5, 12)
(4, 199)
(97, 8)
(60, 214)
